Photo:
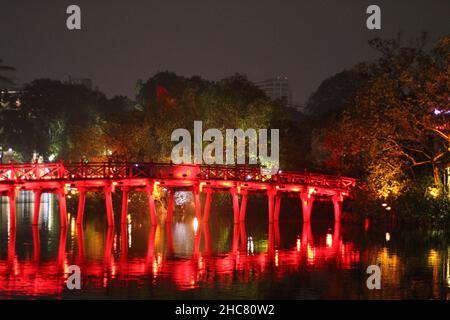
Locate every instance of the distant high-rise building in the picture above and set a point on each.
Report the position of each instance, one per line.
(86, 82)
(277, 88)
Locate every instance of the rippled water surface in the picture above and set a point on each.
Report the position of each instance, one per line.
(217, 260)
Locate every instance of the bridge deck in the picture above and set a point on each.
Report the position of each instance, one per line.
(108, 176)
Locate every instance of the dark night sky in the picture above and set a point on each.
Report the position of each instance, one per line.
(122, 41)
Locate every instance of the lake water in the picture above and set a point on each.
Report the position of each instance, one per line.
(220, 260)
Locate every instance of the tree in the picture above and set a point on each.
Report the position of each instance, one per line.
(52, 117)
(167, 101)
(399, 125)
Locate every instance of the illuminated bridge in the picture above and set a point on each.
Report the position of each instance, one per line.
(108, 177)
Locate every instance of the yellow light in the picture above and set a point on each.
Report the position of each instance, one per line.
(72, 227)
(310, 252)
(433, 257)
(388, 236)
(434, 192)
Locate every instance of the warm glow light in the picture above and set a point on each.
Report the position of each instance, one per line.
(384, 204)
(434, 192)
(195, 224)
(73, 227)
(388, 236)
(329, 240)
(276, 258)
(311, 254)
(388, 208)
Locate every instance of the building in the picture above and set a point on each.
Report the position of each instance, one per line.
(10, 98)
(86, 82)
(277, 89)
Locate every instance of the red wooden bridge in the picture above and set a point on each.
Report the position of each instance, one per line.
(107, 177)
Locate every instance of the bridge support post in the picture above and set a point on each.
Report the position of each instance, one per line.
(271, 198)
(235, 243)
(243, 210)
(170, 206)
(307, 236)
(81, 204)
(337, 204)
(277, 233)
(62, 208)
(336, 234)
(197, 204)
(12, 208)
(80, 243)
(207, 209)
(37, 206)
(243, 236)
(36, 245)
(271, 240)
(277, 207)
(235, 197)
(124, 209)
(207, 238)
(109, 206)
(151, 204)
(307, 201)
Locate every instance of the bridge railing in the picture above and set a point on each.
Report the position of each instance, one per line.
(120, 170)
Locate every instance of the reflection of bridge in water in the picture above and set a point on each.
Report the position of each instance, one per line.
(36, 275)
(107, 177)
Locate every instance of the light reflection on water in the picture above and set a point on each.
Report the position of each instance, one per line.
(215, 261)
